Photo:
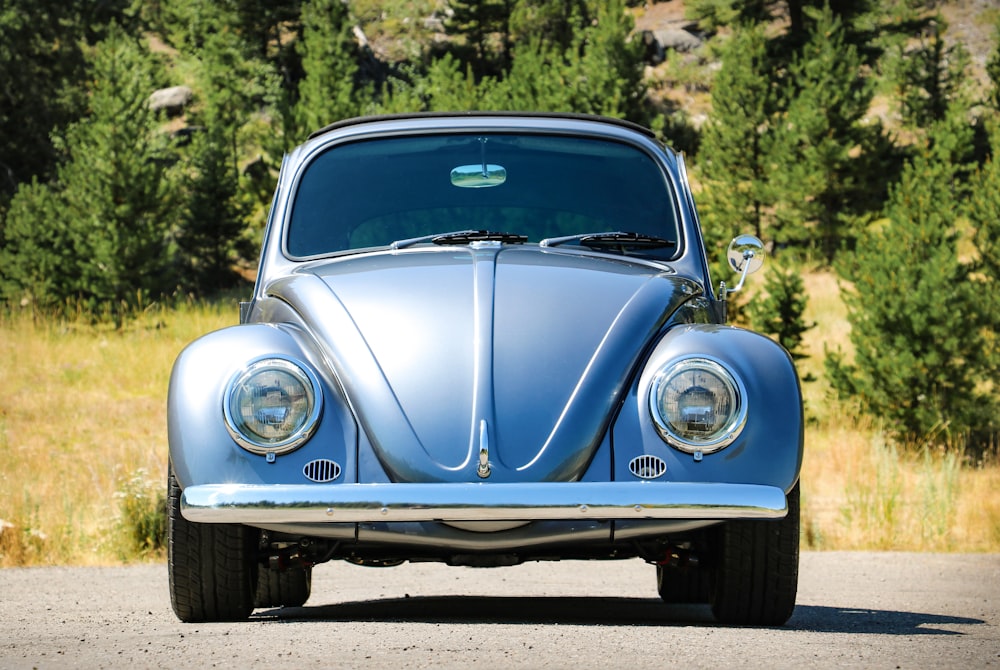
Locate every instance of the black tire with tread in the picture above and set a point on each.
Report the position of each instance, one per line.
(212, 567)
(684, 585)
(757, 568)
(283, 588)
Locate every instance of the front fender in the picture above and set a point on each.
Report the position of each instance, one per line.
(201, 449)
(769, 449)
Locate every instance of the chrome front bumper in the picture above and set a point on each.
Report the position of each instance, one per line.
(358, 503)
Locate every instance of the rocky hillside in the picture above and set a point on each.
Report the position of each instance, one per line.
(681, 66)
(680, 58)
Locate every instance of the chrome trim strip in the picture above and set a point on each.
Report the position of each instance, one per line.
(355, 503)
(484, 265)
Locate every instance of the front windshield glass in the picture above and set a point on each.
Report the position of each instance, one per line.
(375, 192)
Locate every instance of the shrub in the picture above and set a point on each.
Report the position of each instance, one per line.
(142, 521)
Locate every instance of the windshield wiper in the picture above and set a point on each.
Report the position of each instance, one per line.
(462, 237)
(612, 240)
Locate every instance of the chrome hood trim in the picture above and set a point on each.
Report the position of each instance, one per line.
(358, 503)
(445, 351)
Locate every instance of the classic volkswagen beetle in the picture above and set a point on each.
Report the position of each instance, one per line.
(484, 339)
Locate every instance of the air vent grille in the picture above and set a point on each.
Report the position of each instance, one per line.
(647, 466)
(321, 470)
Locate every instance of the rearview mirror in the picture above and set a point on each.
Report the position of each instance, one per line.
(478, 176)
(746, 256)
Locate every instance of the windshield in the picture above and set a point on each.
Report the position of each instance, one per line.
(376, 192)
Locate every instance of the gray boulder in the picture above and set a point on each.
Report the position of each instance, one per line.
(677, 39)
(171, 100)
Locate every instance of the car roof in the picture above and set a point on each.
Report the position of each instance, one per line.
(473, 114)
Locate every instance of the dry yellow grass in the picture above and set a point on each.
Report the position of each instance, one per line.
(82, 418)
(83, 412)
(859, 491)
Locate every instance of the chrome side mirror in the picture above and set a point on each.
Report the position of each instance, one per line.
(746, 256)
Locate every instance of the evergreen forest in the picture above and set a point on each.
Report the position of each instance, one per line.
(140, 142)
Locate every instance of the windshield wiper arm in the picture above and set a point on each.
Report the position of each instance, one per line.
(402, 244)
(462, 237)
(612, 240)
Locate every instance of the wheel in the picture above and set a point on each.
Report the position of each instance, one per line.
(212, 567)
(757, 569)
(684, 585)
(283, 588)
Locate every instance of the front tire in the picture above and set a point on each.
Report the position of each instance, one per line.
(212, 567)
(757, 569)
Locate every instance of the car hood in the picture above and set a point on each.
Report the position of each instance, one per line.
(458, 357)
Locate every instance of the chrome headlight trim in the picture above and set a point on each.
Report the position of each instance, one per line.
(716, 439)
(306, 408)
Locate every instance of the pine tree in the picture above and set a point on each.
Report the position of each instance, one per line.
(41, 65)
(826, 159)
(213, 235)
(555, 22)
(983, 211)
(447, 85)
(993, 70)
(608, 77)
(330, 89)
(714, 14)
(454, 88)
(37, 247)
(937, 98)
(561, 63)
(581, 60)
(232, 84)
(186, 24)
(779, 312)
(262, 23)
(928, 77)
(916, 320)
(211, 239)
(733, 164)
(484, 26)
(538, 80)
(110, 202)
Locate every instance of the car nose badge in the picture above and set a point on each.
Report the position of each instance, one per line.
(484, 450)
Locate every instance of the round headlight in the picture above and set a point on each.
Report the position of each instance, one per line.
(697, 405)
(272, 406)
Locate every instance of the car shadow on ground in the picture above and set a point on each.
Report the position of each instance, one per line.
(608, 612)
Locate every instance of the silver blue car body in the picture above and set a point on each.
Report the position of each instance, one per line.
(481, 339)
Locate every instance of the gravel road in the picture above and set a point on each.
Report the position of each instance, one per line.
(872, 610)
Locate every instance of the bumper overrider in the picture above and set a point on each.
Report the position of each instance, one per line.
(359, 503)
